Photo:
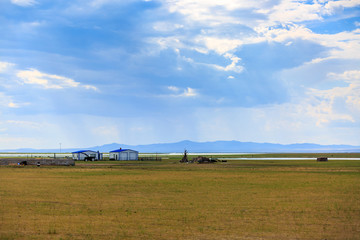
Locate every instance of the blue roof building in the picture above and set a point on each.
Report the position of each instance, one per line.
(124, 155)
(85, 155)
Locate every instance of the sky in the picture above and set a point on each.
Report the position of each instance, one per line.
(83, 73)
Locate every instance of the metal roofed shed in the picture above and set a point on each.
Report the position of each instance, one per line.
(124, 155)
(87, 155)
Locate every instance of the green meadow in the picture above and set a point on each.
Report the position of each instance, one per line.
(168, 200)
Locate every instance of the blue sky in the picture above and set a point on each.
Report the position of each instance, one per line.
(90, 72)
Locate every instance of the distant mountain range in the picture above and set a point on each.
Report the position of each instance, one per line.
(207, 147)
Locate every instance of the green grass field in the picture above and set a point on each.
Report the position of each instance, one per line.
(168, 200)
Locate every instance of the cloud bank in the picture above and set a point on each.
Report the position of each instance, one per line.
(266, 71)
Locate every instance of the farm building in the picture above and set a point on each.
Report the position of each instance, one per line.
(85, 155)
(123, 154)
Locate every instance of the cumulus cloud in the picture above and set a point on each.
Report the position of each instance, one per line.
(294, 11)
(220, 45)
(342, 45)
(49, 81)
(325, 107)
(285, 21)
(233, 65)
(194, 35)
(332, 6)
(339, 103)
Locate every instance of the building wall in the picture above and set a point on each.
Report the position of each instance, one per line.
(113, 156)
(124, 155)
(134, 155)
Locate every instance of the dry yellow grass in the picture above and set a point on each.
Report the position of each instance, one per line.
(242, 200)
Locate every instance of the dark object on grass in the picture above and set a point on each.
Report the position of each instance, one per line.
(38, 164)
(89, 158)
(322, 159)
(201, 159)
(184, 159)
(34, 161)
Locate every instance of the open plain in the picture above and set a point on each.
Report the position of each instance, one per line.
(166, 200)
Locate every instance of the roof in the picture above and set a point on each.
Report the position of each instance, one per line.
(121, 150)
(81, 151)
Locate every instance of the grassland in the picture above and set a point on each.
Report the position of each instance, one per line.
(168, 200)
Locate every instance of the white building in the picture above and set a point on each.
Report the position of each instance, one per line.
(123, 155)
(86, 155)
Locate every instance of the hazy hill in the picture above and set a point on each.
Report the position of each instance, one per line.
(211, 147)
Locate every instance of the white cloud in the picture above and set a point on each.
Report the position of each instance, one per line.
(163, 43)
(348, 76)
(343, 45)
(4, 66)
(283, 123)
(166, 26)
(8, 101)
(326, 106)
(173, 88)
(331, 6)
(186, 92)
(220, 45)
(90, 87)
(339, 103)
(212, 12)
(294, 11)
(232, 66)
(322, 116)
(49, 81)
(189, 92)
(215, 13)
(285, 21)
(24, 3)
